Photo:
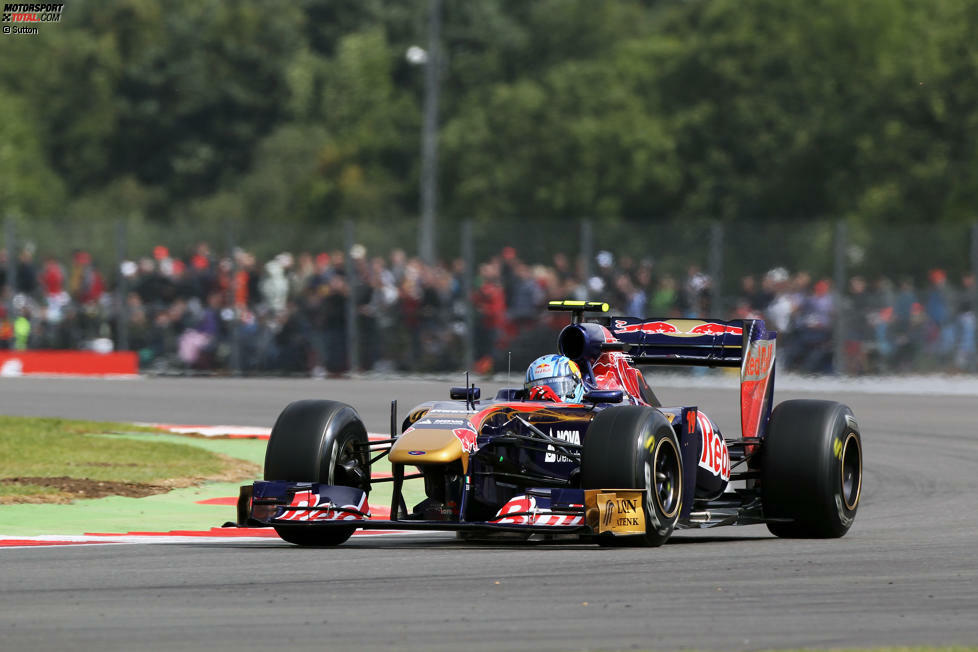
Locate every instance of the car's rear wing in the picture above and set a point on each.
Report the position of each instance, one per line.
(743, 343)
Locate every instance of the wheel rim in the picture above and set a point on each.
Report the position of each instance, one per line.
(347, 469)
(852, 471)
(663, 478)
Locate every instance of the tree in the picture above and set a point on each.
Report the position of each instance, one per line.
(28, 186)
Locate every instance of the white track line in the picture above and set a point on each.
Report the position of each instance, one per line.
(57, 540)
(234, 432)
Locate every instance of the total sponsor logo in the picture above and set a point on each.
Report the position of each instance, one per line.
(715, 457)
(686, 328)
(570, 436)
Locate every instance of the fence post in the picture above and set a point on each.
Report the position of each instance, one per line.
(838, 296)
(429, 137)
(587, 254)
(716, 267)
(352, 336)
(467, 259)
(974, 292)
(235, 360)
(9, 240)
(121, 289)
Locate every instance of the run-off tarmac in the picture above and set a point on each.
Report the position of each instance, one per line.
(904, 575)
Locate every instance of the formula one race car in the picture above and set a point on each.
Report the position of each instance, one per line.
(604, 460)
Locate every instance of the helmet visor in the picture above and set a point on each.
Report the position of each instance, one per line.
(564, 386)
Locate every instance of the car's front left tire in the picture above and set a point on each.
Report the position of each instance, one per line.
(634, 447)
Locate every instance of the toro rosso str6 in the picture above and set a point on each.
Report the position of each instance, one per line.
(614, 466)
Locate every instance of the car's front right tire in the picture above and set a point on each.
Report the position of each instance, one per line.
(318, 441)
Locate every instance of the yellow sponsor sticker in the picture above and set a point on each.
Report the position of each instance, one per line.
(616, 511)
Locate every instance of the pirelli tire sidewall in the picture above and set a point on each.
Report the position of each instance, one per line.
(811, 475)
(621, 449)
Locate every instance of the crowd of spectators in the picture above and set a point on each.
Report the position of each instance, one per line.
(203, 312)
(887, 326)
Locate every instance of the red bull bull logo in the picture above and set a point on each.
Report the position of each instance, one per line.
(657, 327)
(713, 328)
(682, 327)
(468, 437)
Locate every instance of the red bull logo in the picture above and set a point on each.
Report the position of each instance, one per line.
(468, 438)
(656, 327)
(716, 456)
(757, 365)
(688, 328)
(713, 328)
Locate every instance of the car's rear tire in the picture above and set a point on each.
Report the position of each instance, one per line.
(811, 475)
(634, 447)
(318, 441)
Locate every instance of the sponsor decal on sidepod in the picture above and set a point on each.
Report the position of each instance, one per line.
(715, 457)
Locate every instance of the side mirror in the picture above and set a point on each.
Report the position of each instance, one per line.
(465, 393)
(604, 396)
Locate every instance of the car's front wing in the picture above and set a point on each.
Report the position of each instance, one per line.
(550, 511)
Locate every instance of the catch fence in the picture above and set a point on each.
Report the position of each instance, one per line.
(283, 298)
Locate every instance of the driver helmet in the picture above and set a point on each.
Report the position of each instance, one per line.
(556, 373)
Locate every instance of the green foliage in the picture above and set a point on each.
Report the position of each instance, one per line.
(795, 110)
(27, 183)
(307, 112)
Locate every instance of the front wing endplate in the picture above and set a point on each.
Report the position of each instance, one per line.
(616, 511)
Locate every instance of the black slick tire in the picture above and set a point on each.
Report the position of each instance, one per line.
(634, 447)
(811, 475)
(318, 441)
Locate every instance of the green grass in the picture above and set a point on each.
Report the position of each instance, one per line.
(124, 453)
(22, 490)
(121, 452)
(56, 448)
(251, 450)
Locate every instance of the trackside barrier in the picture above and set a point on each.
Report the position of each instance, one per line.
(73, 363)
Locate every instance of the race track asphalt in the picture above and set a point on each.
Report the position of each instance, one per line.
(906, 573)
